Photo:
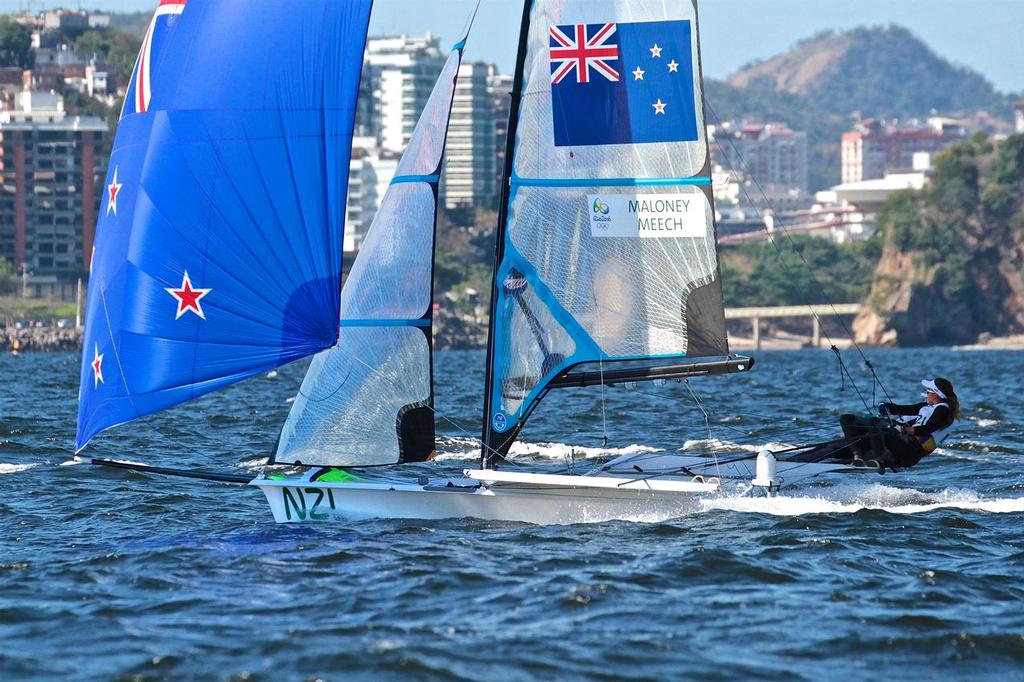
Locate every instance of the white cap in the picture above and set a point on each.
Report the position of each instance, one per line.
(932, 388)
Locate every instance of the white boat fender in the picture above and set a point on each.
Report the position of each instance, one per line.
(765, 473)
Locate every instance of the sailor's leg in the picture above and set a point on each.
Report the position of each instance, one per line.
(851, 425)
(876, 441)
(836, 449)
(902, 452)
(857, 430)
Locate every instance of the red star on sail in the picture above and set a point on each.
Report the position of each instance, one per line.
(113, 189)
(97, 366)
(188, 297)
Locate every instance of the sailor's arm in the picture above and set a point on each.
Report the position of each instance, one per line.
(903, 410)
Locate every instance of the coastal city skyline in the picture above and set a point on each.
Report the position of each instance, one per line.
(835, 195)
(987, 42)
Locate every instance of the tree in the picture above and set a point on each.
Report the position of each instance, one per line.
(120, 50)
(15, 45)
(8, 278)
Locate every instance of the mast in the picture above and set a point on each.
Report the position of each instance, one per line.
(487, 449)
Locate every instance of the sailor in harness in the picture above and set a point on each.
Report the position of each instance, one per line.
(900, 437)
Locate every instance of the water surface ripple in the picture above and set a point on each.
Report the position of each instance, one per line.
(113, 575)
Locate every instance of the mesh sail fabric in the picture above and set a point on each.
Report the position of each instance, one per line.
(368, 401)
(610, 220)
(218, 248)
(349, 409)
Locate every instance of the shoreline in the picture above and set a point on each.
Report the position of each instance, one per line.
(55, 339)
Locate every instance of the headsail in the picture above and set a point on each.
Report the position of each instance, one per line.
(606, 244)
(218, 254)
(369, 400)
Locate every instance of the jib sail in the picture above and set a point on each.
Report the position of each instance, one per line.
(369, 400)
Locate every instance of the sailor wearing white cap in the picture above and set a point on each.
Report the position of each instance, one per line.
(926, 424)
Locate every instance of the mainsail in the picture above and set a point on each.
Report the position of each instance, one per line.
(369, 400)
(218, 253)
(606, 253)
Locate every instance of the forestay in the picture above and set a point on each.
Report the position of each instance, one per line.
(218, 253)
(607, 249)
(369, 400)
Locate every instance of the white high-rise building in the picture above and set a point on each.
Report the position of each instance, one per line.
(501, 98)
(468, 179)
(398, 75)
(769, 154)
(370, 172)
(1018, 117)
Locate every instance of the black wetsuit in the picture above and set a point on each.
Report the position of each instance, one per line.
(873, 438)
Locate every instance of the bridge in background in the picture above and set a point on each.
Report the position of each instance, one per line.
(815, 312)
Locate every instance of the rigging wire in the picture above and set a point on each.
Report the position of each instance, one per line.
(785, 231)
(781, 433)
(604, 408)
(707, 423)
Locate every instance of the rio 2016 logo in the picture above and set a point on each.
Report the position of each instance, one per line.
(600, 214)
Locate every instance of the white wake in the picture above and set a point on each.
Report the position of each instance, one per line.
(8, 468)
(852, 498)
(468, 448)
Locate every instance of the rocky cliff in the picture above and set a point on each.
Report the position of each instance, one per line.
(951, 264)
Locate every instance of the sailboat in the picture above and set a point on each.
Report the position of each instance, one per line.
(219, 257)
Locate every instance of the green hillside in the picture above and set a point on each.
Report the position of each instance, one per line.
(880, 71)
(876, 72)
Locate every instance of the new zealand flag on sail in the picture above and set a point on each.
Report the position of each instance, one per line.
(622, 83)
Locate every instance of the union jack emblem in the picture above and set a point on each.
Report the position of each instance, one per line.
(592, 46)
(140, 87)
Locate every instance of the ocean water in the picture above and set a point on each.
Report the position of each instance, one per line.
(113, 575)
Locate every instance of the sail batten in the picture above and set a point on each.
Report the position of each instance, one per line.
(610, 182)
(606, 243)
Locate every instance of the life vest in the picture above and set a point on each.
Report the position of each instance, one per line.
(935, 439)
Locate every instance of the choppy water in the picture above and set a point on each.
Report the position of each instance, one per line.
(112, 575)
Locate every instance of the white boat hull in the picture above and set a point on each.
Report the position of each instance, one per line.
(293, 501)
(646, 487)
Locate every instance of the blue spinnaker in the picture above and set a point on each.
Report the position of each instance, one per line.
(218, 249)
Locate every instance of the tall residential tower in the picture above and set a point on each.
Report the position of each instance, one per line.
(51, 174)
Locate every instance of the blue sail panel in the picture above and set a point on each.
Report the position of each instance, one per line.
(218, 248)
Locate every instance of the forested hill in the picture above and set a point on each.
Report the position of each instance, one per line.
(880, 72)
(952, 265)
